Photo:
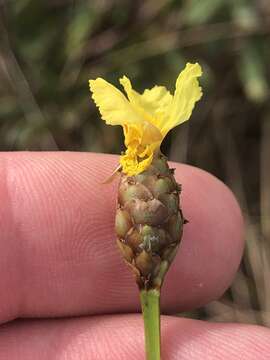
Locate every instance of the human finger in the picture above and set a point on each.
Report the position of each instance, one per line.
(57, 244)
(121, 337)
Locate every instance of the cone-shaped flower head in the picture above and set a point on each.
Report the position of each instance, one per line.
(149, 220)
(146, 118)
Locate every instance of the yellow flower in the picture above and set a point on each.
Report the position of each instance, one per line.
(146, 118)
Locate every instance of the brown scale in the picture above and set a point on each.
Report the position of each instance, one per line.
(149, 222)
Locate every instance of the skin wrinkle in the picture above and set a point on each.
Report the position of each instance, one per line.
(11, 265)
(69, 253)
(31, 196)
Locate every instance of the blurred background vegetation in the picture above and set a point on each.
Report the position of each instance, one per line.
(49, 50)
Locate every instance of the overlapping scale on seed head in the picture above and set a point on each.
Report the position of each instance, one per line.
(149, 222)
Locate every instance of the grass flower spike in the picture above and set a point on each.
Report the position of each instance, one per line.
(149, 220)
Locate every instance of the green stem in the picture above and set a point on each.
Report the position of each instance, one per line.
(151, 317)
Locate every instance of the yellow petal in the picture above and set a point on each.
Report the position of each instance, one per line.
(133, 135)
(144, 134)
(133, 96)
(136, 100)
(152, 104)
(158, 96)
(114, 107)
(187, 92)
(159, 100)
(148, 129)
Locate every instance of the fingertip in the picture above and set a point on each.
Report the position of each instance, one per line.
(122, 337)
(212, 243)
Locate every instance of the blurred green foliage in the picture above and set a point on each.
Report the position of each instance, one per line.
(49, 50)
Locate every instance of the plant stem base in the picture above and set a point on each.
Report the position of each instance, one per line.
(150, 302)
